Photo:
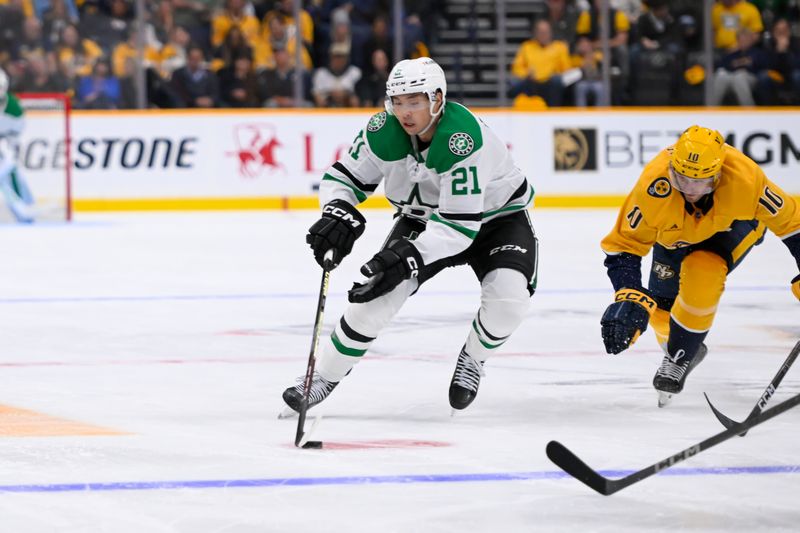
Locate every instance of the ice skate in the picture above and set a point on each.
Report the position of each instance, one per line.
(672, 374)
(320, 389)
(465, 382)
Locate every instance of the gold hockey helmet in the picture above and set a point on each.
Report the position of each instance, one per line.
(699, 153)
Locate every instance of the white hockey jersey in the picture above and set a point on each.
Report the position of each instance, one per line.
(11, 118)
(464, 178)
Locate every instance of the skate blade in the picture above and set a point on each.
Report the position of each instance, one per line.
(287, 412)
(664, 398)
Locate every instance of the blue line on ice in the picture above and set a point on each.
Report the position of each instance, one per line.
(374, 480)
(291, 295)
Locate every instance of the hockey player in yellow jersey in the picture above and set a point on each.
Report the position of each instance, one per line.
(701, 205)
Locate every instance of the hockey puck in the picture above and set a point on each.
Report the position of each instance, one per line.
(313, 444)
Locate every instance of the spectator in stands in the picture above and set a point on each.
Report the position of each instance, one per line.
(341, 34)
(591, 82)
(421, 14)
(781, 84)
(279, 36)
(728, 17)
(173, 53)
(538, 64)
(233, 46)
(371, 89)
(589, 26)
(31, 43)
(12, 17)
(101, 90)
(284, 9)
(195, 16)
(276, 85)
(334, 85)
(563, 17)
(38, 78)
(632, 9)
(379, 39)
(128, 50)
(54, 19)
(163, 20)
(76, 57)
(660, 37)
(234, 15)
(237, 83)
(108, 30)
(194, 84)
(738, 70)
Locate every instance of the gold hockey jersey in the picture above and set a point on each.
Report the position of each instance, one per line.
(655, 212)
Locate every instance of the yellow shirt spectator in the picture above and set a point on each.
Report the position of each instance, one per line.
(729, 16)
(222, 23)
(79, 62)
(125, 51)
(285, 10)
(585, 25)
(541, 61)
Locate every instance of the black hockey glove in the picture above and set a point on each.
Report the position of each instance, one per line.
(397, 262)
(341, 224)
(796, 286)
(626, 319)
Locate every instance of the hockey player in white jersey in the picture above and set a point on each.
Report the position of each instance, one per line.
(460, 200)
(18, 197)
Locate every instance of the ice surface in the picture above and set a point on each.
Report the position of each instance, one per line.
(177, 334)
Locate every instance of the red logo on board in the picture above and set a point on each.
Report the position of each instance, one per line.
(256, 145)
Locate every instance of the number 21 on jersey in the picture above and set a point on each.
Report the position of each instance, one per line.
(462, 184)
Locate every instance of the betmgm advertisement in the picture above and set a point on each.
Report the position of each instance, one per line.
(603, 153)
(574, 156)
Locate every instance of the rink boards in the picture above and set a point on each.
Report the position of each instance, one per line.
(274, 159)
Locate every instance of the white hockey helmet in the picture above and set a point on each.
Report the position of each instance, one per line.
(421, 75)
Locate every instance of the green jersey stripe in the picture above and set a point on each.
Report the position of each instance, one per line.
(459, 228)
(360, 196)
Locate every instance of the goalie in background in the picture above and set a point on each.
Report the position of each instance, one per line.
(18, 197)
(701, 205)
(460, 200)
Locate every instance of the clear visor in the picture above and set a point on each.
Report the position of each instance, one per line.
(692, 186)
(416, 103)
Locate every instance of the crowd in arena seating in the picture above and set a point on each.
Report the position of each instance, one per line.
(656, 50)
(207, 53)
(242, 53)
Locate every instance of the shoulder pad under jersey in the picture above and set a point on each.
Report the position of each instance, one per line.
(458, 135)
(386, 137)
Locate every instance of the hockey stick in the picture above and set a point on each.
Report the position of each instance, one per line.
(765, 397)
(572, 465)
(300, 437)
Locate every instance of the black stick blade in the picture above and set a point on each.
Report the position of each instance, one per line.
(724, 420)
(572, 465)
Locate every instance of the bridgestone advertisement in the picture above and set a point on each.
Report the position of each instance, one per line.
(178, 155)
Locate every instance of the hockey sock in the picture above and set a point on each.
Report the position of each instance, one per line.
(504, 301)
(356, 330)
(681, 339)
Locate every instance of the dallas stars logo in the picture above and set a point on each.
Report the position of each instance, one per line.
(461, 144)
(377, 121)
